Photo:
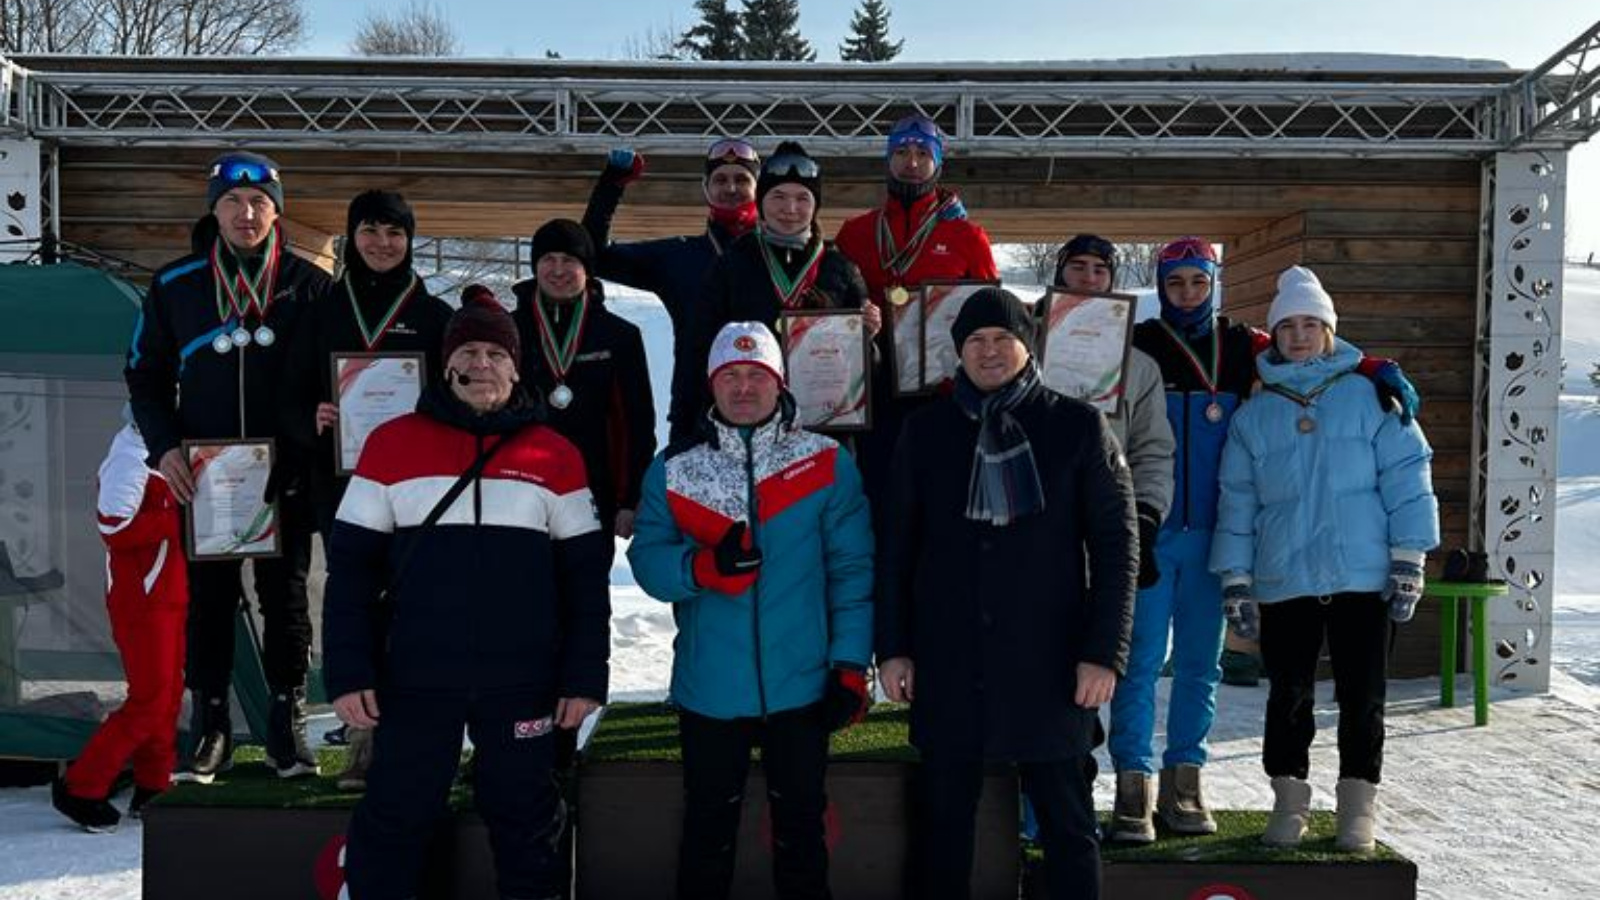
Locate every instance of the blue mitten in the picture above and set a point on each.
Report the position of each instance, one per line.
(623, 166)
(1404, 589)
(1241, 611)
(1394, 388)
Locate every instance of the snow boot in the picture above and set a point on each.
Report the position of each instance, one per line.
(358, 758)
(1290, 811)
(212, 728)
(1357, 815)
(95, 816)
(1240, 669)
(288, 753)
(141, 798)
(1131, 814)
(1180, 803)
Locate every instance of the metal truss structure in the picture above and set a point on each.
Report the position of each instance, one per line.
(1558, 103)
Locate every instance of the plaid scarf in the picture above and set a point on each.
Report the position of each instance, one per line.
(1005, 482)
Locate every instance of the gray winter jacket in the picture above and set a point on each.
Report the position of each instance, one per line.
(1141, 427)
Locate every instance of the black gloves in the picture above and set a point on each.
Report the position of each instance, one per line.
(1149, 528)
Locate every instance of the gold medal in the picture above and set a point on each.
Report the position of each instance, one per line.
(899, 296)
(1306, 424)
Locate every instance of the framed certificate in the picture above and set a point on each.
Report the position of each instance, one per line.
(370, 389)
(1084, 345)
(827, 356)
(941, 303)
(230, 516)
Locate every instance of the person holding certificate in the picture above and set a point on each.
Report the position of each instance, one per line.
(919, 234)
(377, 308)
(1005, 598)
(784, 265)
(587, 365)
(208, 361)
(470, 525)
(674, 268)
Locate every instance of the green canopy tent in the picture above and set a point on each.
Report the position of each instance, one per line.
(64, 331)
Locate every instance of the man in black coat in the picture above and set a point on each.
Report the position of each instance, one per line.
(1005, 598)
(208, 361)
(588, 366)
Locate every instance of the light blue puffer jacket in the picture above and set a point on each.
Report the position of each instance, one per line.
(1319, 512)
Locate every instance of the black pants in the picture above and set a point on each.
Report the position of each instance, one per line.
(716, 759)
(216, 589)
(1357, 629)
(1061, 791)
(416, 749)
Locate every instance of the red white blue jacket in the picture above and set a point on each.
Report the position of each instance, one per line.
(142, 529)
(510, 589)
(749, 649)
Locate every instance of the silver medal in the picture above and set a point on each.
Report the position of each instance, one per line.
(221, 344)
(265, 336)
(1214, 413)
(561, 397)
(241, 336)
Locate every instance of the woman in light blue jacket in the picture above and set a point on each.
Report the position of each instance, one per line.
(1326, 512)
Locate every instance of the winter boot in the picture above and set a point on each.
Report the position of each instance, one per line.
(357, 760)
(1290, 811)
(212, 728)
(141, 798)
(97, 816)
(1357, 814)
(1180, 803)
(287, 750)
(1240, 669)
(1131, 815)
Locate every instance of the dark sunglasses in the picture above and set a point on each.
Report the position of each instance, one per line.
(238, 171)
(792, 166)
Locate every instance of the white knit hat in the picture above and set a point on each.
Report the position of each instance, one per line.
(1301, 294)
(745, 342)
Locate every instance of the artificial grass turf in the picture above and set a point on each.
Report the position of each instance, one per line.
(251, 783)
(1238, 840)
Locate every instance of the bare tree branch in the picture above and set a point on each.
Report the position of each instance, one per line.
(418, 30)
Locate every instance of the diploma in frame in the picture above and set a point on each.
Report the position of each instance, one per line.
(371, 389)
(827, 357)
(1084, 345)
(230, 516)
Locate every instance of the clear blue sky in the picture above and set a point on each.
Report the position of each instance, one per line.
(1522, 33)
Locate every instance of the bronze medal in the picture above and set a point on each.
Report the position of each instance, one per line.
(1306, 424)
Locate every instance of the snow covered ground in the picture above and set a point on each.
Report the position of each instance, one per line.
(1485, 812)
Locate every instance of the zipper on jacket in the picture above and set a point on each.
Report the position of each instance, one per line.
(244, 430)
(755, 589)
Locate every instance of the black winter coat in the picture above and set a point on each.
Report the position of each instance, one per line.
(739, 289)
(996, 619)
(331, 328)
(178, 386)
(612, 417)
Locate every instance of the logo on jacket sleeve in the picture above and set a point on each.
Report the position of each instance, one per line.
(532, 728)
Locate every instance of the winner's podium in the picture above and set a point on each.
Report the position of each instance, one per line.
(265, 838)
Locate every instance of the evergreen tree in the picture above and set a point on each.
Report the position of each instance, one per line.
(719, 35)
(772, 31)
(869, 35)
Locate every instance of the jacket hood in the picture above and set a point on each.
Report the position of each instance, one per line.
(1304, 376)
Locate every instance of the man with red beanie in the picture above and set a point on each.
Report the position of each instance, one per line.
(470, 522)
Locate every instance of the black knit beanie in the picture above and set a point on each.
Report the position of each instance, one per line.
(790, 164)
(564, 236)
(993, 307)
(382, 208)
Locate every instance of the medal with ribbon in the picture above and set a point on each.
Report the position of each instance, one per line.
(559, 353)
(239, 295)
(1305, 424)
(791, 291)
(374, 336)
(897, 261)
(1208, 375)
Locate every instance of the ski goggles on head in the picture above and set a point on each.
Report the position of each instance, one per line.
(243, 172)
(732, 151)
(790, 165)
(915, 127)
(1188, 248)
